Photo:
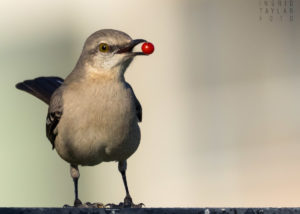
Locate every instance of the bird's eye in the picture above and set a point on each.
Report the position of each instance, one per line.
(103, 47)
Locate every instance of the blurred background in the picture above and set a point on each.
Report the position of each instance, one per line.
(220, 99)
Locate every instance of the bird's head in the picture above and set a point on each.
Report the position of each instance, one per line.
(108, 50)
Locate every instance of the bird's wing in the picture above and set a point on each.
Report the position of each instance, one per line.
(139, 110)
(55, 111)
(41, 87)
(138, 106)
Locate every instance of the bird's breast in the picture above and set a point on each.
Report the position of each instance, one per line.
(98, 124)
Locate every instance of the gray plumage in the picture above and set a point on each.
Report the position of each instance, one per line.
(93, 114)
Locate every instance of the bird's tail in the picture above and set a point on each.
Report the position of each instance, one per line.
(41, 87)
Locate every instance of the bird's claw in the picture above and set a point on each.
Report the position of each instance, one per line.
(126, 204)
(121, 206)
(94, 205)
(132, 205)
(85, 205)
(77, 203)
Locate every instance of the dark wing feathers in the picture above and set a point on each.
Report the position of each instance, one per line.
(139, 111)
(138, 106)
(55, 112)
(51, 123)
(41, 87)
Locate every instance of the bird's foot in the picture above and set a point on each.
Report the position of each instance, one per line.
(79, 204)
(126, 204)
(93, 205)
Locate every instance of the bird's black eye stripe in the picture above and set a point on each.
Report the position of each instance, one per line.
(105, 48)
(114, 48)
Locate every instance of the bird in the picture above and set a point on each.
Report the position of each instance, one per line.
(93, 114)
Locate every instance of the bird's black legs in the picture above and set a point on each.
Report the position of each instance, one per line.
(122, 168)
(127, 200)
(75, 175)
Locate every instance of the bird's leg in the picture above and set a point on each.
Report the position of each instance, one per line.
(127, 200)
(75, 175)
(122, 169)
(77, 203)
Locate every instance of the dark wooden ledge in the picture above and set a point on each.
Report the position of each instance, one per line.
(150, 211)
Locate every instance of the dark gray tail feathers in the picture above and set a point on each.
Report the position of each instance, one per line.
(41, 87)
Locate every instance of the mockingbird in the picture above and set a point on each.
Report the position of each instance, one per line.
(93, 114)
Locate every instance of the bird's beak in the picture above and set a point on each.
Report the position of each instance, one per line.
(130, 46)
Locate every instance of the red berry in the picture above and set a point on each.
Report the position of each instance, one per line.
(147, 48)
